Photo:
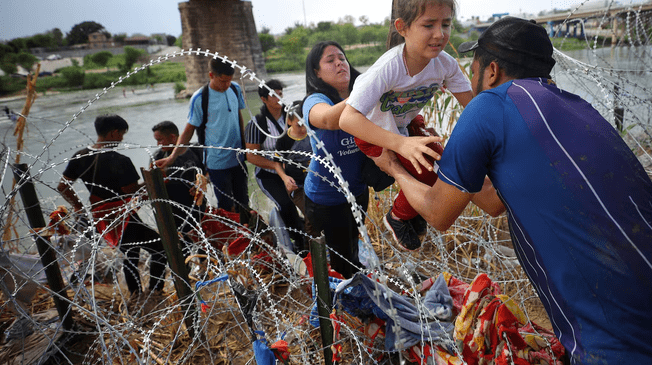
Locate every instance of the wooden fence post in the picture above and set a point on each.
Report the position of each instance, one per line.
(48, 255)
(168, 231)
(324, 305)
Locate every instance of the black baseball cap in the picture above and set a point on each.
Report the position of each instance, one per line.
(519, 41)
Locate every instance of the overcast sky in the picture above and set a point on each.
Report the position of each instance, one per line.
(23, 18)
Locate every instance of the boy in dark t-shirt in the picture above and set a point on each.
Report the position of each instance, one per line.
(111, 179)
(179, 178)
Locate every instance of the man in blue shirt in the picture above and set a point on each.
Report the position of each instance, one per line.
(579, 202)
(223, 129)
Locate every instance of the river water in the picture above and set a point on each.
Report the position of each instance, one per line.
(52, 137)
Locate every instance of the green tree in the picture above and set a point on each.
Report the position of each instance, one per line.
(349, 33)
(8, 63)
(41, 40)
(57, 36)
(369, 34)
(289, 30)
(73, 75)
(293, 43)
(267, 40)
(79, 33)
(119, 38)
(17, 44)
(102, 58)
(179, 42)
(131, 56)
(27, 60)
(324, 26)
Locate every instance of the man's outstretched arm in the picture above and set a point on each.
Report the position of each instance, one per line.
(441, 203)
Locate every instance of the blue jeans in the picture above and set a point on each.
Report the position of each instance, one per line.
(230, 186)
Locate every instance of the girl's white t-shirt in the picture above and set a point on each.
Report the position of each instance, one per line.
(389, 97)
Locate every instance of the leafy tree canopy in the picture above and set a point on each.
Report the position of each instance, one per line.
(57, 35)
(131, 56)
(119, 38)
(79, 33)
(267, 41)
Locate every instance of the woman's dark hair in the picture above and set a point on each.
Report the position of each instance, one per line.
(316, 85)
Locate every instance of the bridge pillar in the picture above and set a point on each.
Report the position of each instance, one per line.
(223, 26)
(614, 31)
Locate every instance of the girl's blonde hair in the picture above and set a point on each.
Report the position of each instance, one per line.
(409, 11)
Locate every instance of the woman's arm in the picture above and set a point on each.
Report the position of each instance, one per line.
(412, 148)
(324, 116)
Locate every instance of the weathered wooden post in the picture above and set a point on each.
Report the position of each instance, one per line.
(324, 305)
(619, 111)
(48, 255)
(168, 231)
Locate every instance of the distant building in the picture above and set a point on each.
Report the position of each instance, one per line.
(138, 41)
(99, 40)
(159, 38)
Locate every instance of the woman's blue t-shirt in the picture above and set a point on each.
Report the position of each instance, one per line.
(321, 186)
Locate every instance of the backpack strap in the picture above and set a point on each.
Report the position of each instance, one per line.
(201, 130)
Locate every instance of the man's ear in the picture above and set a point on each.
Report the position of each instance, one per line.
(494, 74)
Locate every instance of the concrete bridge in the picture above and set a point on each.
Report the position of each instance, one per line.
(223, 26)
(594, 21)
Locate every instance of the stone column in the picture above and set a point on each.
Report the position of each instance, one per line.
(223, 26)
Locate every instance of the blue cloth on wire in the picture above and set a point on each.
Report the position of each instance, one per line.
(428, 320)
(264, 356)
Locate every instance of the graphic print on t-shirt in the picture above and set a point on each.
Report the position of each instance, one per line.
(401, 102)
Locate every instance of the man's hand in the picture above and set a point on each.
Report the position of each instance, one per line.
(164, 162)
(290, 184)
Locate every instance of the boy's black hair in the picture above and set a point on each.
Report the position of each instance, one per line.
(166, 127)
(110, 122)
(221, 68)
(316, 85)
(273, 84)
